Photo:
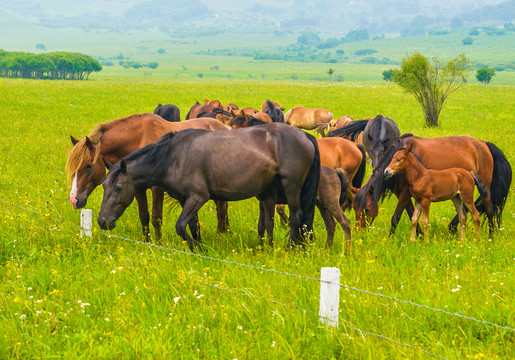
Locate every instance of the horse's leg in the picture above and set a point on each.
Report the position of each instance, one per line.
(414, 220)
(190, 208)
(158, 195)
(144, 216)
(222, 216)
(462, 215)
(474, 213)
(403, 203)
(425, 219)
(281, 211)
(268, 215)
(261, 223)
(330, 224)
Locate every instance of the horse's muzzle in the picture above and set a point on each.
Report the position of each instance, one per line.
(388, 173)
(106, 225)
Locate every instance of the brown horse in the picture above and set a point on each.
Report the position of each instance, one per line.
(216, 103)
(332, 193)
(113, 140)
(242, 121)
(428, 186)
(464, 152)
(230, 107)
(307, 118)
(274, 103)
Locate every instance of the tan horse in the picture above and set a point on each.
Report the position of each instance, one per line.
(307, 118)
(113, 140)
(263, 117)
(231, 106)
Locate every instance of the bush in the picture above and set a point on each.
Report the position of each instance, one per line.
(161, 51)
(340, 52)
(365, 52)
(200, 75)
(484, 75)
(467, 41)
(388, 75)
(474, 32)
(153, 65)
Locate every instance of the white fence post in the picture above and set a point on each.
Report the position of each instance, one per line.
(86, 216)
(329, 296)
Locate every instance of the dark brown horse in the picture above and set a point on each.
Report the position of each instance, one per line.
(464, 152)
(274, 110)
(379, 133)
(427, 186)
(113, 140)
(274, 162)
(168, 112)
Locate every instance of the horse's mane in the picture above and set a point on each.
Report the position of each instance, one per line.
(353, 129)
(79, 153)
(239, 121)
(158, 154)
(382, 186)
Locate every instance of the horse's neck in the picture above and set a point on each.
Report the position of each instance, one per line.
(415, 170)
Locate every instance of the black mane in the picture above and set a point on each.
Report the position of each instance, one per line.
(353, 129)
(377, 181)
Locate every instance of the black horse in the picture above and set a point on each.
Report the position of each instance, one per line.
(275, 163)
(273, 111)
(168, 112)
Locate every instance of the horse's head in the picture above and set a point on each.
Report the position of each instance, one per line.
(85, 167)
(379, 134)
(119, 192)
(398, 163)
(365, 207)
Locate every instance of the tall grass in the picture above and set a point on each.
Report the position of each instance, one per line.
(71, 297)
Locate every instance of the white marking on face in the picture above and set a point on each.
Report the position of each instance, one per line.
(382, 133)
(73, 192)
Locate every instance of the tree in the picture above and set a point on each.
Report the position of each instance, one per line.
(431, 84)
(41, 47)
(330, 72)
(467, 41)
(388, 75)
(485, 75)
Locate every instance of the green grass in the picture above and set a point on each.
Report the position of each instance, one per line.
(68, 297)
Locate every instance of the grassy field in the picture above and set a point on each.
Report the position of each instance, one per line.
(69, 297)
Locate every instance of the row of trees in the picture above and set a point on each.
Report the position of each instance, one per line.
(55, 65)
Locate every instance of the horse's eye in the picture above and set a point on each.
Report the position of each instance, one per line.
(399, 160)
(118, 188)
(89, 166)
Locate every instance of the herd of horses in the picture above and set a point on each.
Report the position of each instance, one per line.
(227, 153)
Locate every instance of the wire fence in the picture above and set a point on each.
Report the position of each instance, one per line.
(262, 268)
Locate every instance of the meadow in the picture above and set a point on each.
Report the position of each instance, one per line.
(64, 296)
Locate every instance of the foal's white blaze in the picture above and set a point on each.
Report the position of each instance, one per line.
(73, 193)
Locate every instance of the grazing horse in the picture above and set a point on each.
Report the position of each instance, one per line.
(115, 139)
(242, 121)
(197, 110)
(218, 114)
(307, 118)
(230, 107)
(168, 112)
(216, 103)
(467, 153)
(274, 110)
(378, 134)
(336, 124)
(273, 162)
(428, 186)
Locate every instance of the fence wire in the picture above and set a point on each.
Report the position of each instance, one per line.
(269, 270)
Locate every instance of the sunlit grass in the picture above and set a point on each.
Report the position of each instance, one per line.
(71, 297)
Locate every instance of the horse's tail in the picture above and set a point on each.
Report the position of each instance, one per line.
(357, 180)
(501, 181)
(483, 191)
(344, 185)
(352, 129)
(309, 190)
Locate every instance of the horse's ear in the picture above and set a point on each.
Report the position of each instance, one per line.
(107, 164)
(243, 115)
(89, 144)
(123, 166)
(74, 141)
(353, 189)
(232, 112)
(408, 148)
